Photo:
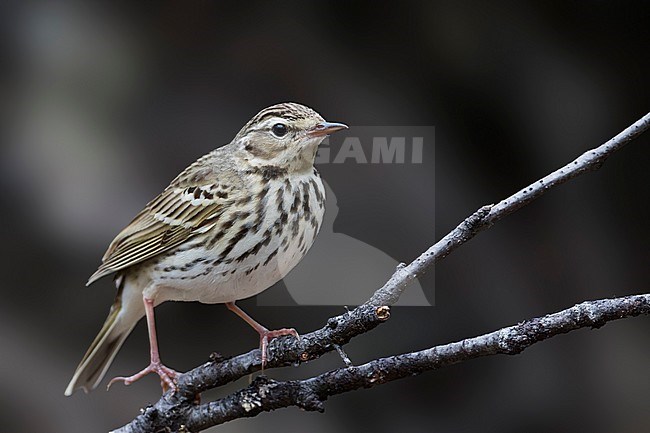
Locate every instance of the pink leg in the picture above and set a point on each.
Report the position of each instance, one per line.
(167, 375)
(265, 334)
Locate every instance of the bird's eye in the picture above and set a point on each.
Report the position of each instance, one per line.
(279, 129)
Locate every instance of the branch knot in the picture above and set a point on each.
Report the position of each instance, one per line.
(383, 313)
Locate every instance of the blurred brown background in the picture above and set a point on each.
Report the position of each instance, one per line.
(103, 104)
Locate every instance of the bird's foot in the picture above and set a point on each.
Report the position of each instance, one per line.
(167, 376)
(267, 335)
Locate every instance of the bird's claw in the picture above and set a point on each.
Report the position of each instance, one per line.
(267, 335)
(167, 376)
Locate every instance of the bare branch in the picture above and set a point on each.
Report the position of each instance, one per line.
(173, 407)
(265, 394)
(174, 410)
(487, 215)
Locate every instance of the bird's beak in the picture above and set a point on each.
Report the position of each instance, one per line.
(326, 128)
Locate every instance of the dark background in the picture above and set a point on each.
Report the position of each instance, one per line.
(104, 104)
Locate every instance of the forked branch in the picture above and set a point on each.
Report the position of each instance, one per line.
(265, 394)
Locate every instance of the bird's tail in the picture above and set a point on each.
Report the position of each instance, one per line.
(120, 322)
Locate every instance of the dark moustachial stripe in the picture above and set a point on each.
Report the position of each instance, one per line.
(268, 172)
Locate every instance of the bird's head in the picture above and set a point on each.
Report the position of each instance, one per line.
(284, 135)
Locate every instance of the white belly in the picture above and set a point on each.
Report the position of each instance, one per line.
(186, 275)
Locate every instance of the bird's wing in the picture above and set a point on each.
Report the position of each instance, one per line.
(179, 213)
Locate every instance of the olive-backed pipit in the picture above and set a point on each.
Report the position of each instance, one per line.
(228, 227)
